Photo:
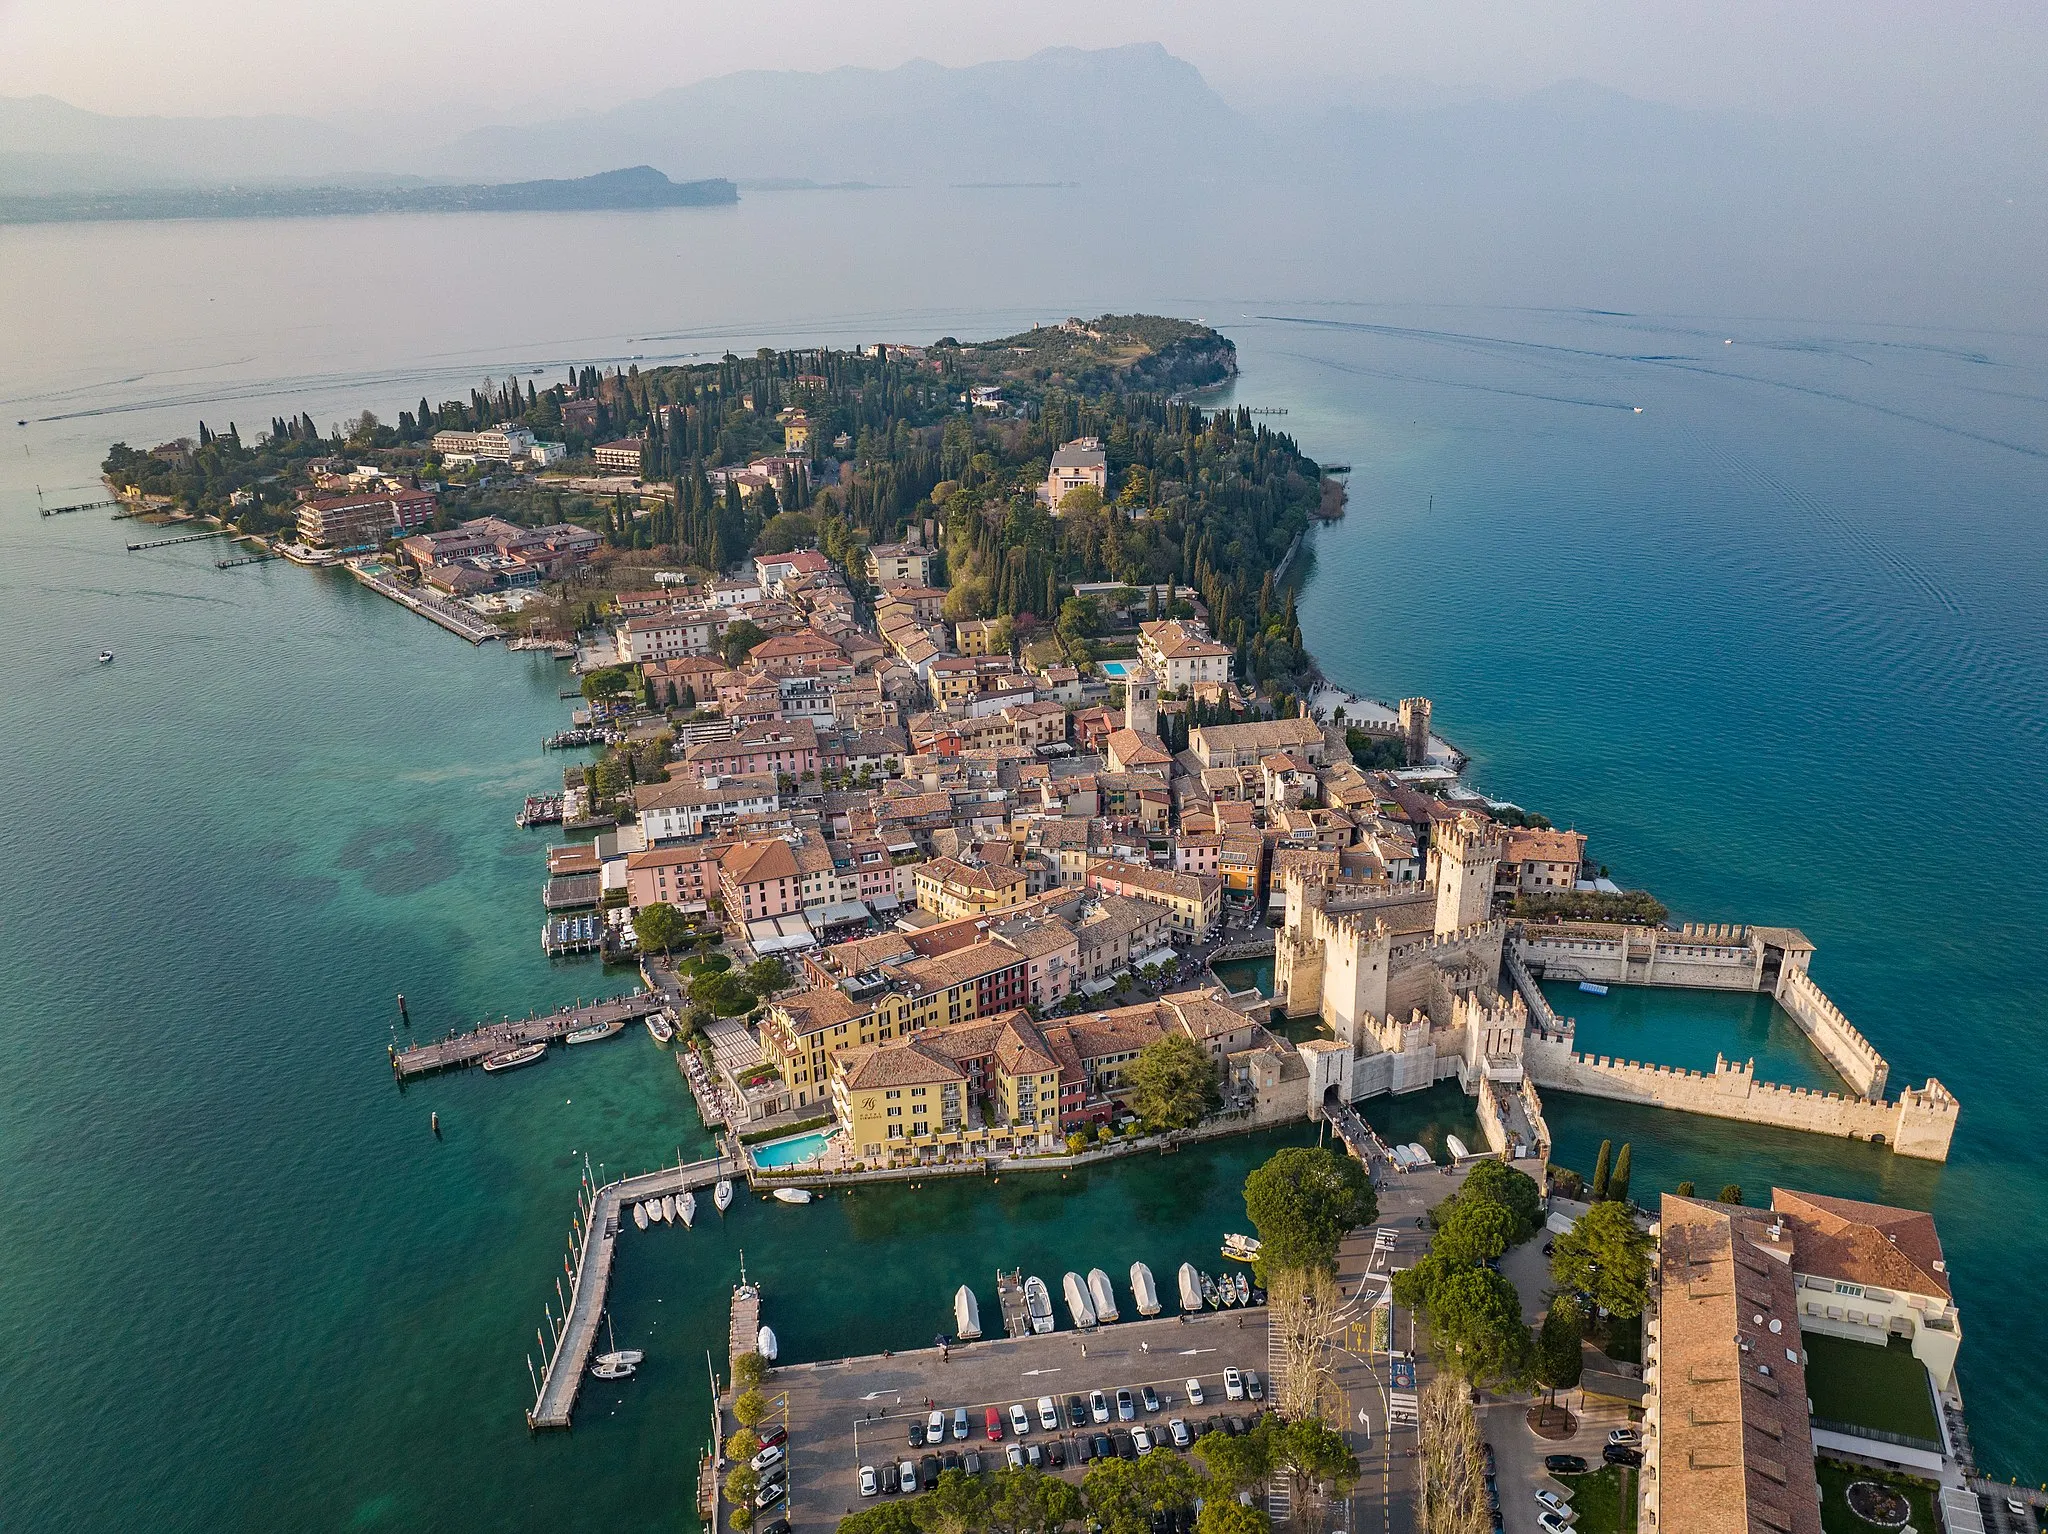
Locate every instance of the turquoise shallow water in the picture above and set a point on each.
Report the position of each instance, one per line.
(1776, 644)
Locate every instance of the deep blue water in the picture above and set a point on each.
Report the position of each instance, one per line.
(1777, 644)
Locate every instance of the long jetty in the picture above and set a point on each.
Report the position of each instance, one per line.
(570, 1358)
(58, 511)
(487, 1039)
(452, 616)
(164, 543)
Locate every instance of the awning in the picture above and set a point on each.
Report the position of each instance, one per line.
(884, 903)
(839, 913)
(1156, 956)
(780, 934)
(1097, 987)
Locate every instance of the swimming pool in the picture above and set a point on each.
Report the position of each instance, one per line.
(794, 1151)
(1117, 670)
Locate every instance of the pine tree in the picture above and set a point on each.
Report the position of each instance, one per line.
(1617, 1185)
(1602, 1172)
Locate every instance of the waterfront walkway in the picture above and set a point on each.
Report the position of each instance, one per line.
(571, 1357)
(452, 616)
(488, 1039)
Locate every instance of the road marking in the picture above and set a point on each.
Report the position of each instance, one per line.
(1191, 1352)
(1029, 1372)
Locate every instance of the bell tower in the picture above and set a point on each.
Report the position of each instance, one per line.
(1141, 701)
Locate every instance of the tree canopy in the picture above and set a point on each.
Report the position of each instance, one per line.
(659, 927)
(1559, 1344)
(1476, 1328)
(1304, 1201)
(1173, 1083)
(1515, 1191)
(1607, 1257)
(1125, 1495)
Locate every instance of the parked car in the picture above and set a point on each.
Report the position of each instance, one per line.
(1020, 1420)
(1237, 1426)
(1141, 1436)
(1622, 1454)
(928, 1469)
(892, 1478)
(1194, 1392)
(1254, 1387)
(906, 1473)
(1034, 1456)
(770, 1437)
(779, 1526)
(1487, 1449)
(1625, 1437)
(1233, 1385)
(1100, 1446)
(770, 1492)
(772, 1455)
(1098, 1406)
(916, 1435)
(1178, 1431)
(870, 1483)
(960, 1422)
(1564, 1464)
(935, 1427)
(1048, 1414)
(1056, 1452)
(952, 1460)
(995, 1424)
(1014, 1454)
(1126, 1408)
(1077, 1412)
(1550, 1523)
(1149, 1398)
(1551, 1502)
(1125, 1449)
(971, 1462)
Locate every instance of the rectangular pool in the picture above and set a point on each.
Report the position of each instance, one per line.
(1116, 670)
(795, 1151)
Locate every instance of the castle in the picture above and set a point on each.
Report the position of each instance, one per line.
(1420, 982)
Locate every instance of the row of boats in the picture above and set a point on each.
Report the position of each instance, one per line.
(1092, 1301)
(682, 1207)
(527, 1054)
(1413, 1155)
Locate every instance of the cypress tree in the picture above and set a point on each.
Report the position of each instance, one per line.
(1617, 1185)
(1602, 1170)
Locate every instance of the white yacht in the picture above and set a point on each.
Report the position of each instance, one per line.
(640, 1215)
(1143, 1290)
(966, 1314)
(686, 1209)
(1038, 1301)
(668, 1208)
(1103, 1294)
(1190, 1287)
(722, 1194)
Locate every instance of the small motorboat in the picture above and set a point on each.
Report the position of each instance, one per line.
(1419, 1153)
(792, 1195)
(1241, 1248)
(512, 1059)
(722, 1194)
(1209, 1291)
(1190, 1287)
(1079, 1306)
(1143, 1290)
(106, 657)
(630, 1357)
(1592, 988)
(966, 1314)
(1244, 1290)
(640, 1215)
(612, 1371)
(686, 1209)
(660, 1027)
(1038, 1303)
(765, 1344)
(1456, 1147)
(594, 1032)
(668, 1208)
(1100, 1291)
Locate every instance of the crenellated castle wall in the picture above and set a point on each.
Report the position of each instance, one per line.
(1853, 1056)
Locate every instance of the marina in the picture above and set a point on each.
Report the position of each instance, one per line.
(485, 1040)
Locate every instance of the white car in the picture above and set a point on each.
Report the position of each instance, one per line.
(772, 1455)
(935, 1428)
(1126, 1408)
(870, 1483)
(1550, 1523)
(1014, 1452)
(1194, 1392)
(1182, 1438)
(906, 1476)
(1625, 1438)
(1020, 1421)
(1048, 1414)
(1233, 1385)
(1141, 1436)
(1551, 1502)
(1098, 1407)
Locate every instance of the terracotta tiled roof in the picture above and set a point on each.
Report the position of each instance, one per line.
(752, 862)
(1526, 845)
(1865, 1243)
(899, 1063)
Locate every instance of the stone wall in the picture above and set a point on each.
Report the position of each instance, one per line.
(1853, 1056)
(1714, 958)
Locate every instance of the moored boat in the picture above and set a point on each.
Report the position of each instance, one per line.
(512, 1059)
(1190, 1287)
(793, 1195)
(660, 1027)
(630, 1357)
(1239, 1248)
(1592, 988)
(1038, 1303)
(966, 1314)
(106, 657)
(640, 1215)
(614, 1371)
(668, 1208)
(1144, 1292)
(1208, 1290)
(1456, 1147)
(686, 1209)
(594, 1032)
(1079, 1306)
(765, 1344)
(1244, 1290)
(722, 1194)
(1419, 1153)
(1104, 1295)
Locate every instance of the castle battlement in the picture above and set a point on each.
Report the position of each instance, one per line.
(1798, 994)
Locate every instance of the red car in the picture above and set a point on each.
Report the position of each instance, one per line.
(995, 1425)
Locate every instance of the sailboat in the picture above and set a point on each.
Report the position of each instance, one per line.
(630, 1357)
(640, 1215)
(722, 1194)
(686, 1209)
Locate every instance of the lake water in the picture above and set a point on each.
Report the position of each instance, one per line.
(1776, 644)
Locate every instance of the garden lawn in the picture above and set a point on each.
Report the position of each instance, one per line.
(1605, 1501)
(1868, 1386)
(1835, 1514)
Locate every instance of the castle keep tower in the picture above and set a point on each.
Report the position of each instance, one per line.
(1463, 855)
(1141, 701)
(1415, 729)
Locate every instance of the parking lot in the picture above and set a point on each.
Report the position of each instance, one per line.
(847, 1413)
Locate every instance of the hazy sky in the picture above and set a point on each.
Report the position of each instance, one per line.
(1864, 59)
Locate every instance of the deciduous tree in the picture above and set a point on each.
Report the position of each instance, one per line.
(1476, 1328)
(1173, 1083)
(659, 927)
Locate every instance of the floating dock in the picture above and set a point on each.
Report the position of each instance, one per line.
(1010, 1294)
(487, 1039)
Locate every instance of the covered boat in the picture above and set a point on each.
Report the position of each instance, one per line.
(640, 1215)
(668, 1208)
(966, 1314)
(1190, 1287)
(1456, 1147)
(764, 1344)
(1078, 1304)
(793, 1195)
(1100, 1290)
(1143, 1290)
(1038, 1302)
(1239, 1248)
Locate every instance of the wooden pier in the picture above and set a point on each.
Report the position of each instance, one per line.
(576, 1335)
(744, 1334)
(244, 559)
(58, 511)
(1010, 1294)
(164, 543)
(487, 1039)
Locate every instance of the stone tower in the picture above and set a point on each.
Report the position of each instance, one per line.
(1415, 729)
(1463, 855)
(1141, 701)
